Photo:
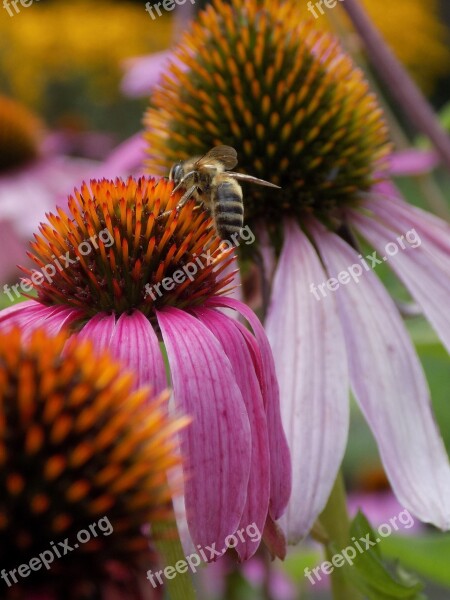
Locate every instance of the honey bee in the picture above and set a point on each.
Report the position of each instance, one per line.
(209, 180)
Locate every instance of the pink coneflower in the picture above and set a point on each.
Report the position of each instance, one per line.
(256, 76)
(31, 179)
(153, 278)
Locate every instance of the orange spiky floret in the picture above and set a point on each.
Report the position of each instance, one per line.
(76, 445)
(261, 78)
(139, 246)
(20, 134)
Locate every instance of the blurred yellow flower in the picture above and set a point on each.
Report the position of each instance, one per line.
(413, 30)
(62, 40)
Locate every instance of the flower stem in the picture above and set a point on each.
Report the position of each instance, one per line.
(336, 523)
(168, 544)
(400, 84)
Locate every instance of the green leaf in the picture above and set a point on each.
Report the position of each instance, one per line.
(427, 555)
(370, 574)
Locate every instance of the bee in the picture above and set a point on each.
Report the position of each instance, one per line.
(209, 180)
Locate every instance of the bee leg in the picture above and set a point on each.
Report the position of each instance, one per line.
(184, 198)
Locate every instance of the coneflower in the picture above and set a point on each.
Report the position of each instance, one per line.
(79, 452)
(130, 270)
(255, 75)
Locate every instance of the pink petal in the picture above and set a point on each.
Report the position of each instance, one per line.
(127, 159)
(280, 460)
(217, 445)
(142, 73)
(132, 341)
(235, 347)
(135, 343)
(390, 387)
(31, 314)
(424, 269)
(309, 352)
(413, 162)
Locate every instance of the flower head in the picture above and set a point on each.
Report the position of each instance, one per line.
(123, 246)
(261, 79)
(20, 133)
(78, 448)
(257, 77)
(152, 273)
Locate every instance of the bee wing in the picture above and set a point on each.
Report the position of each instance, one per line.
(250, 179)
(224, 154)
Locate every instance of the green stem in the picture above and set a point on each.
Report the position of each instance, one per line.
(336, 523)
(168, 544)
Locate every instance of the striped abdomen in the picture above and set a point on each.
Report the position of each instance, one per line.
(228, 208)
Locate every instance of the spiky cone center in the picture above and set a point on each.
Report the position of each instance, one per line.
(130, 248)
(20, 135)
(260, 78)
(77, 445)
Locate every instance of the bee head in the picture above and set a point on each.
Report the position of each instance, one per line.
(176, 173)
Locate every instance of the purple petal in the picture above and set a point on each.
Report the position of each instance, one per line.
(31, 314)
(235, 347)
(217, 445)
(280, 460)
(424, 269)
(127, 159)
(142, 73)
(309, 351)
(413, 162)
(135, 343)
(390, 387)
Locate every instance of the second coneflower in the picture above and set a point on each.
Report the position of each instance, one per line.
(83, 462)
(255, 75)
(128, 270)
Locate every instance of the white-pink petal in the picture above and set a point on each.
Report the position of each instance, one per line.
(309, 351)
(389, 385)
(423, 269)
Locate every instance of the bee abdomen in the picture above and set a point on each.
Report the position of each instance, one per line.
(229, 209)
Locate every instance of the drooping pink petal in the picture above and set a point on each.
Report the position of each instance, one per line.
(135, 343)
(131, 340)
(405, 217)
(235, 347)
(424, 269)
(30, 315)
(412, 162)
(217, 445)
(280, 460)
(390, 387)
(309, 351)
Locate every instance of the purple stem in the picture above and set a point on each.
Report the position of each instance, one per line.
(402, 87)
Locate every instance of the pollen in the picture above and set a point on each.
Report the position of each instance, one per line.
(119, 244)
(261, 78)
(55, 485)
